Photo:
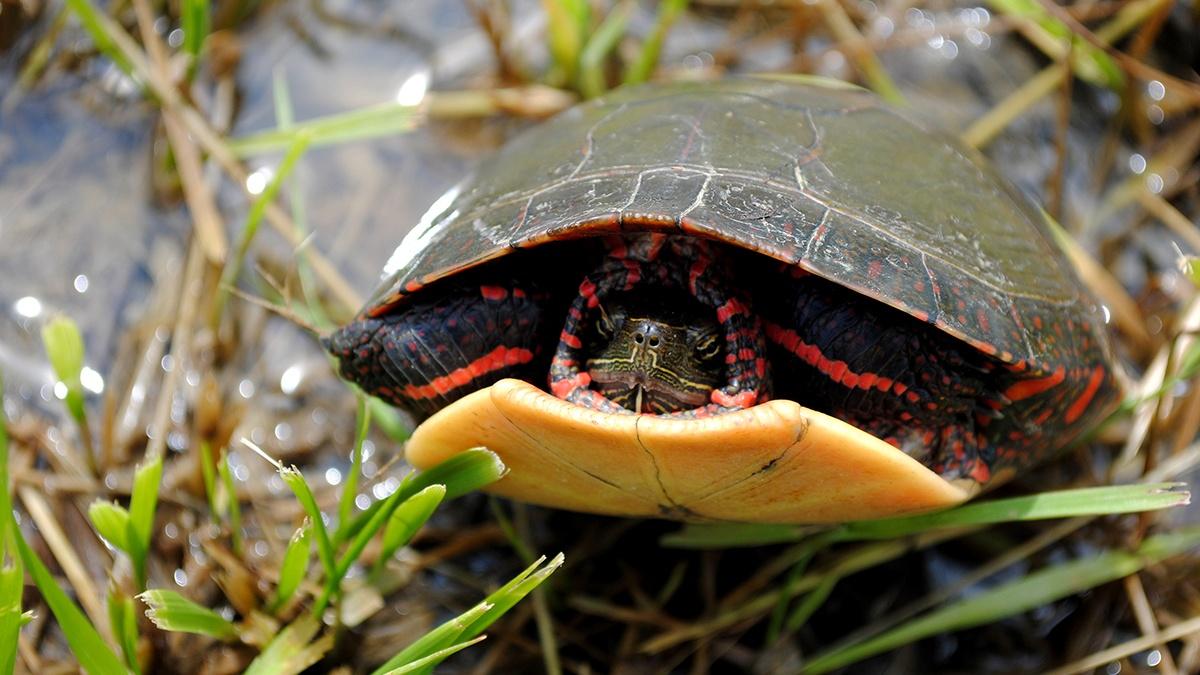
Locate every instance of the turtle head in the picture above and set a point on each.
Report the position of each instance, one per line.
(655, 360)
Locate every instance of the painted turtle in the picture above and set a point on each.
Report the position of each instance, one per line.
(632, 302)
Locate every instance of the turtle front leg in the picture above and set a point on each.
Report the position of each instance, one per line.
(430, 354)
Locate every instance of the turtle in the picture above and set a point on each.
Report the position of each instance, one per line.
(752, 299)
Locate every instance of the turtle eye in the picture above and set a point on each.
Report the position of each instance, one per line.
(654, 341)
(639, 338)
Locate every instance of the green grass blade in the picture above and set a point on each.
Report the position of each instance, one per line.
(465, 472)
(388, 420)
(350, 488)
(171, 611)
(566, 25)
(810, 604)
(254, 218)
(365, 123)
(474, 621)
(598, 47)
(111, 521)
(122, 615)
(142, 504)
(1090, 63)
(196, 21)
(12, 573)
(1107, 500)
(1033, 590)
(442, 637)
(295, 480)
(511, 593)
(365, 533)
(12, 585)
(408, 518)
(434, 658)
(231, 499)
(96, 25)
(64, 347)
(639, 71)
(1046, 505)
(293, 650)
(294, 567)
(208, 471)
(89, 648)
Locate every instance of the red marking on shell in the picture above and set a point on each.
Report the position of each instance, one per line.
(1080, 404)
(899, 388)
(874, 269)
(982, 317)
(1026, 388)
(745, 399)
(496, 359)
(494, 293)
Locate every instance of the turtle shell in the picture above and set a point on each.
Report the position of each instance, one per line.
(812, 173)
(818, 175)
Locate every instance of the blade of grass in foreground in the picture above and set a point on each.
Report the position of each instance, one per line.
(361, 124)
(434, 658)
(474, 621)
(602, 41)
(171, 611)
(96, 25)
(1096, 501)
(1033, 590)
(294, 566)
(89, 648)
(197, 22)
(639, 71)
(293, 649)
(12, 574)
(465, 472)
